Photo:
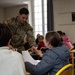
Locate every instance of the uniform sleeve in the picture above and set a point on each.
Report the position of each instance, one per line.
(30, 36)
(16, 40)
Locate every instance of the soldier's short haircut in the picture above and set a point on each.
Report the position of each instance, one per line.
(5, 35)
(23, 11)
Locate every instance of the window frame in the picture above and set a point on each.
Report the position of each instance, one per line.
(43, 18)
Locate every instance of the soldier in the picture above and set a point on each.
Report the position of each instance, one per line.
(21, 30)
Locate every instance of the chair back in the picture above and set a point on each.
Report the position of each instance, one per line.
(66, 70)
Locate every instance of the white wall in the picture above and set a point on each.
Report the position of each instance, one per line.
(1, 15)
(6, 13)
(63, 17)
(13, 11)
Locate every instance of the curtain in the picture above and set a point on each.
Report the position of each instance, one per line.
(50, 19)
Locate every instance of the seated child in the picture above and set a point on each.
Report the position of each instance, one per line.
(67, 41)
(41, 42)
(53, 59)
(11, 62)
(36, 40)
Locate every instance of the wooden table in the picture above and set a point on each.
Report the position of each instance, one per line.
(73, 58)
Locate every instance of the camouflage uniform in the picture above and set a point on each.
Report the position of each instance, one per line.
(20, 33)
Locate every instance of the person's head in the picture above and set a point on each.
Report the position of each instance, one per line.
(5, 35)
(52, 39)
(63, 33)
(60, 32)
(40, 38)
(38, 35)
(23, 15)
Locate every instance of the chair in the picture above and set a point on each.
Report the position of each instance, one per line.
(66, 70)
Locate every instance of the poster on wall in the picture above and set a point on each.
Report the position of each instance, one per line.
(73, 16)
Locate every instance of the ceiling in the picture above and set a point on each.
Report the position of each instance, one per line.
(9, 3)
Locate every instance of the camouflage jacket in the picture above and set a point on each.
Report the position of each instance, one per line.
(20, 33)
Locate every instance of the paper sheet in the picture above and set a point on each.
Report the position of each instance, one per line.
(27, 58)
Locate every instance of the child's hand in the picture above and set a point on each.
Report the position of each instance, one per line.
(38, 52)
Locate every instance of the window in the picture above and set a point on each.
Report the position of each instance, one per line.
(40, 17)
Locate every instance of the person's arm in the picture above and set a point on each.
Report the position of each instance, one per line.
(30, 36)
(16, 40)
(38, 52)
(45, 65)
